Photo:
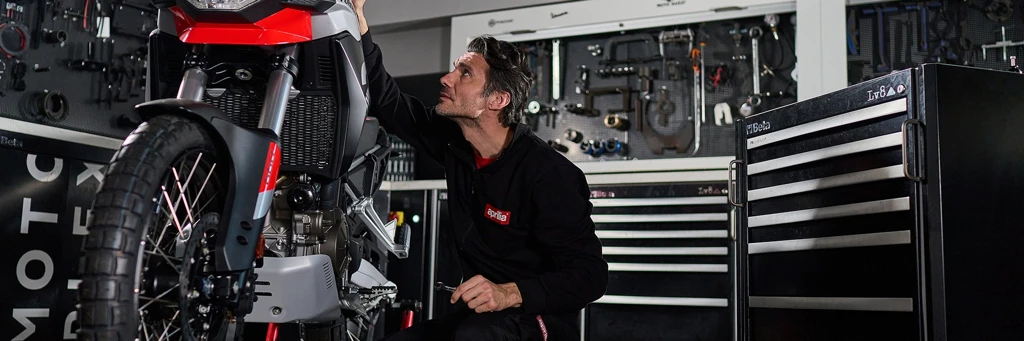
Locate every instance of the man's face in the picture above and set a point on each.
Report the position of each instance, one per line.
(463, 88)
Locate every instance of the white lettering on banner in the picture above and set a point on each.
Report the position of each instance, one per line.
(73, 284)
(80, 227)
(91, 171)
(39, 283)
(68, 333)
(22, 315)
(28, 215)
(58, 166)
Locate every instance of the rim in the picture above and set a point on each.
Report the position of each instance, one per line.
(170, 294)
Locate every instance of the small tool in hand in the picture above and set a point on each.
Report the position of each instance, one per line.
(440, 286)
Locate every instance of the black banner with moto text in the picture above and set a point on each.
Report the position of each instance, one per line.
(45, 203)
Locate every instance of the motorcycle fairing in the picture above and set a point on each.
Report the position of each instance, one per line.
(258, 150)
(266, 22)
(283, 27)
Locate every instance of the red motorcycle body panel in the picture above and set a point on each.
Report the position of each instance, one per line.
(288, 26)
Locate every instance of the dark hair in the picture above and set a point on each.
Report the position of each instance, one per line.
(509, 73)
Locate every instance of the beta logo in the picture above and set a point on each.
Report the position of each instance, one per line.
(498, 216)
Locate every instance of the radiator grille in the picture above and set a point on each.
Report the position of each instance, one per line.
(329, 275)
(307, 136)
(325, 69)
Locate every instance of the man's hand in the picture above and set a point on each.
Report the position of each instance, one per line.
(357, 6)
(481, 295)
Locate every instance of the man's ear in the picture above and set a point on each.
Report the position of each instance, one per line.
(498, 100)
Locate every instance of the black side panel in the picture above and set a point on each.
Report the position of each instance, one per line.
(353, 94)
(248, 151)
(974, 130)
(166, 57)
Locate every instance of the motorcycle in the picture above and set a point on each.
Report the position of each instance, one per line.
(246, 193)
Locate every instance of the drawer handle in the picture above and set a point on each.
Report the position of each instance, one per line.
(905, 152)
(730, 186)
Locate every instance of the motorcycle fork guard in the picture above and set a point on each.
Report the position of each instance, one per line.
(251, 158)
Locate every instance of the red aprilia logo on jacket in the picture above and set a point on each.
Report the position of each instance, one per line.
(498, 216)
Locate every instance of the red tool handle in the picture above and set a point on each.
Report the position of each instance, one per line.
(272, 331)
(407, 318)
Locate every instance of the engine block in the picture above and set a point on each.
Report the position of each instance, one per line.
(295, 227)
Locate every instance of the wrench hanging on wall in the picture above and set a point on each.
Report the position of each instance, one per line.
(697, 58)
(754, 100)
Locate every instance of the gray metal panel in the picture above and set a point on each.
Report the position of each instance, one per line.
(857, 240)
(878, 174)
(862, 208)
(633, 202)
(665, 251)
(432, 253)
(313, 299)
(863, 114)
(615, 234)
(879, 142)
(834, 303)
(658, 218)
(662, 267)
(665, 301)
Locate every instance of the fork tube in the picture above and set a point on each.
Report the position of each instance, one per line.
(193, 83)
(278, 88)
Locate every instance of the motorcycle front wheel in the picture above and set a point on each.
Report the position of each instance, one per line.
(150, 239)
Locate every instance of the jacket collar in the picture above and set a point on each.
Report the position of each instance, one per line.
(464, 150)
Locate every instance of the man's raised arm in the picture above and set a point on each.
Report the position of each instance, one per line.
(399, 113)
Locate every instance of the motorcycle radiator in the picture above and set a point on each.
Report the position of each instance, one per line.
(309, 132)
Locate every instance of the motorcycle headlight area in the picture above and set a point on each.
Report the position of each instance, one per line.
(231, 5)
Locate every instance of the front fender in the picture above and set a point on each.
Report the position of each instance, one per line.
(251, 159)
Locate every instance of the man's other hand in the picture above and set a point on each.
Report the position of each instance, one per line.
(482, 295)
(357, 6)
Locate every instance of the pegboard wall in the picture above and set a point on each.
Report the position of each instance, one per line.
(914, 32)
(74, 64)
(727, 75)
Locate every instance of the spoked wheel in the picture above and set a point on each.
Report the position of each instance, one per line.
(149, 247)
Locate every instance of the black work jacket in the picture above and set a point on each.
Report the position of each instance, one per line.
(524, 218)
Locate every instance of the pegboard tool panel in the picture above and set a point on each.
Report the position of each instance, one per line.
(886, 37)
(638, 94)
(74, 64)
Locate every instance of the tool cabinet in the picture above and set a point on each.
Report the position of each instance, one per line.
(667, 250)
(883, 211)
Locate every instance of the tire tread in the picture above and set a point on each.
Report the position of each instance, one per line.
(110, 249)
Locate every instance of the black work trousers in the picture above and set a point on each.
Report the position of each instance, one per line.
(510, 325)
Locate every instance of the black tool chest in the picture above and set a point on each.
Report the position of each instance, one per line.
(667, 248)
(884, 211)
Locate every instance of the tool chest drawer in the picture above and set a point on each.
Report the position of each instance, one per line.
(667, 248)
(826, 234)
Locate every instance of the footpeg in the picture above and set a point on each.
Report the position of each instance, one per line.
(395, 240)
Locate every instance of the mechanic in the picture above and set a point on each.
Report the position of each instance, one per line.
(520, 210)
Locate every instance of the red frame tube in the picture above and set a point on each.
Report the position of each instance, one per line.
(272, 331)
(407, 318)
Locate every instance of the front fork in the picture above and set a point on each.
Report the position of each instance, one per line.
(255, 157)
